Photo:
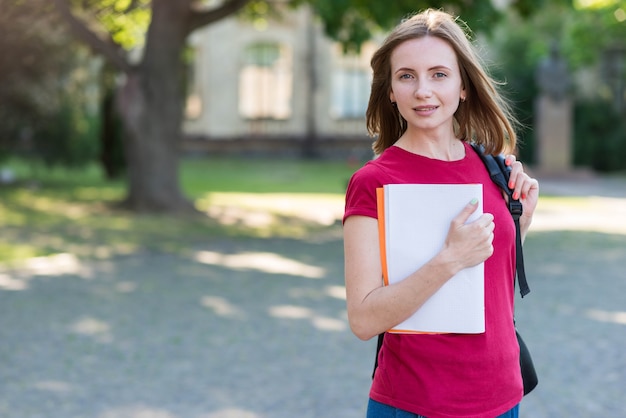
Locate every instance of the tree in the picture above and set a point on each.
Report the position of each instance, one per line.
(31, 57)
(151, 98)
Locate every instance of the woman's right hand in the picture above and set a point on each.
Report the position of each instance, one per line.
(469, 243)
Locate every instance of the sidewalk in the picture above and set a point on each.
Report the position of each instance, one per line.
(257, 328)
(584, 185)
(574, 320)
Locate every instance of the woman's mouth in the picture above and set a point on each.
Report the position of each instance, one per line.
(424, 108)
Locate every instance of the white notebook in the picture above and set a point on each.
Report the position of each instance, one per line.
(414, 224)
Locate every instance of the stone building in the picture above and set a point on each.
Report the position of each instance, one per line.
(284, 87)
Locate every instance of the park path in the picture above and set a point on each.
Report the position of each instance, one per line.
(256, 328)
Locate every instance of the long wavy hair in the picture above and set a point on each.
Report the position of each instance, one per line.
(484, 117)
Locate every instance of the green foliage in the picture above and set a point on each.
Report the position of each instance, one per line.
(582, 35)
(32, 58)
(352, 22)
(48, 96)
(125, 20)
(595, 29)
(518, 46)
(68, 137)
(600, 137)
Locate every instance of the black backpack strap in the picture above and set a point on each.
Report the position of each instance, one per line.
(379, 345)
(499, 173)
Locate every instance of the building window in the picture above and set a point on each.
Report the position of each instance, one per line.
(350, 83)
(350, 93)
(265, 82)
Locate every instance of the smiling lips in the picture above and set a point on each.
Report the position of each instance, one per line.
(423, 109)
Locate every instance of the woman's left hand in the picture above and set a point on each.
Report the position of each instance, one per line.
(525, 188)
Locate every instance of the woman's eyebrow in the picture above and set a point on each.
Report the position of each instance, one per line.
(433, 68)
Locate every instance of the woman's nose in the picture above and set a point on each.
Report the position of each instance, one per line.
(423, 90)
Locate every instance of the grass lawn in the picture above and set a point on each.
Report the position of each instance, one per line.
(56, 211)
(49, 212)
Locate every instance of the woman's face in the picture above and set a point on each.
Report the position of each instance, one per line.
(426, 83)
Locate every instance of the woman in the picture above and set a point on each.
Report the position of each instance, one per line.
(430, 99)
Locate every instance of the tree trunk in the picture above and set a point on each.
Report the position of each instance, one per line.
(151, 104)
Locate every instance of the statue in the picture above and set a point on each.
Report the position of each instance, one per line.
(552, 76)
(553, 114)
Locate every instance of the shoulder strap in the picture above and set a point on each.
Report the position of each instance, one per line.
(379, 345)
(499, 173)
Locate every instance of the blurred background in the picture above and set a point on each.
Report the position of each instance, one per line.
(171, 189)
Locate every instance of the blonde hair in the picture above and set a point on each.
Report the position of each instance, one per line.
(484, 117)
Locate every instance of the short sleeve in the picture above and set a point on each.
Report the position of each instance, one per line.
(361, 192)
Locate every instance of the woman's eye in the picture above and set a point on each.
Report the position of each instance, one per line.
(405, 76)
(440, 75)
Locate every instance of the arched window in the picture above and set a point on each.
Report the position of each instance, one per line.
(265, 82)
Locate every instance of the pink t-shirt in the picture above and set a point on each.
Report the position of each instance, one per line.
(449, 375)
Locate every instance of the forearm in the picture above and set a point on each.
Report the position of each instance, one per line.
(373, 308)
(387, 306)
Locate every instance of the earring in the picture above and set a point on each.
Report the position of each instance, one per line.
(462, 99)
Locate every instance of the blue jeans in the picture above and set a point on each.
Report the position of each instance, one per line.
(379, 410)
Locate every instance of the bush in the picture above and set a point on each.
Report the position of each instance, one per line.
(600, 137)
(69, 138)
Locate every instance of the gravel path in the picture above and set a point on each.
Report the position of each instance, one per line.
(257, 329)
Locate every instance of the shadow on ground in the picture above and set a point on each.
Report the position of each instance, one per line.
(256, 328)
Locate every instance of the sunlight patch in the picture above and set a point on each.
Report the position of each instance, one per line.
(264, 262)
(337, 292)
(597, 214)
(291, 312)
(56, 265)
(323, 323)
(126, 287)
(232, 413)
(52, 265)
(93, 328)
(137, 412)
(616, 317)
(221, 306)
(9, 283)
(234, 215)
(324, 209)
(53, 386)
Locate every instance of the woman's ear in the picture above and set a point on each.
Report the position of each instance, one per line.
(392, 97)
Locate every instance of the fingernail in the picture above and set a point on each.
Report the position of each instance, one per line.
(511, 184)
(515, 196)
(474, 201)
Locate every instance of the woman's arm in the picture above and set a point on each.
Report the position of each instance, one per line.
(374, 308)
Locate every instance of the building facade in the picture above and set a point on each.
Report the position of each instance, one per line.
(280, 87)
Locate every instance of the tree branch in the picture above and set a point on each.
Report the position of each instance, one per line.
(132, 6)
(83, 33)
(203, 18)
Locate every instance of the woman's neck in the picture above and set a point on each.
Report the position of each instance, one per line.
(448, 148)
